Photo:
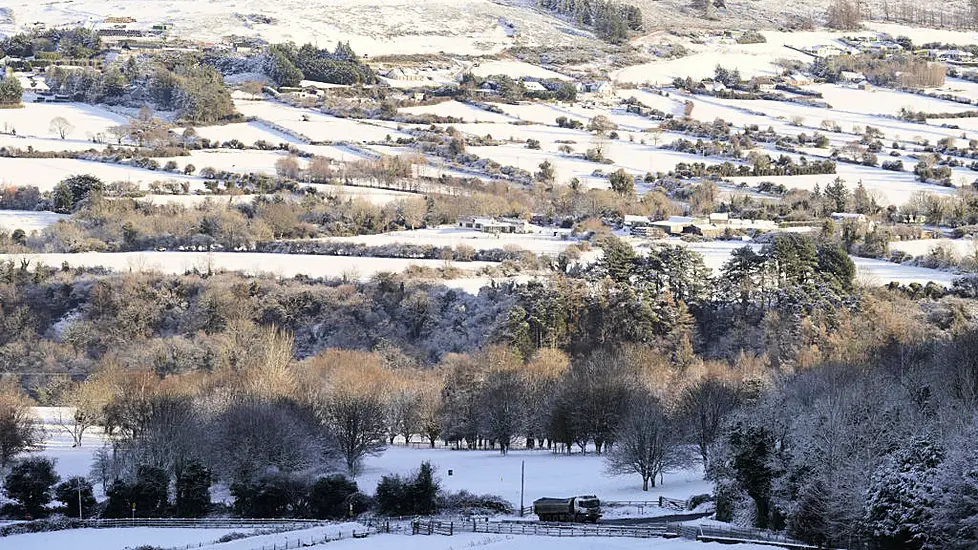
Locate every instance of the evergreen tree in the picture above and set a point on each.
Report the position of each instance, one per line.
(423, 492)
(751, 454)
(901, 498)
(10, 91)
(330, 497)
(150, 492)
(193, 496)
(73, 492)
(29, 484)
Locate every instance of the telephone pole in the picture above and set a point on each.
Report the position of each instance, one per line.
(522, 484)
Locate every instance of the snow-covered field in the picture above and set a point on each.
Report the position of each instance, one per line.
(869, 272)
(540, 243)
(282, 265)
(515, 69)
(232, 160)
(34, 119)
(922, 247)
(315, 125)
(456, 109)
(28, 221)
(373, 27)
(547, 474)
(121, 539)
(46, 173)
(114, 539)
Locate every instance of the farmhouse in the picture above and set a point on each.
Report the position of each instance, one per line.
(797, 79)
(532, 86)
(675, 225)
(603, 88)
(494, 225)
(853, 77)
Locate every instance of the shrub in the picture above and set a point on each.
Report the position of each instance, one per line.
(330, 497)
(68, 493)
(464, 501)
(696, 500)
(233, 536)
(416, 495)
(751, 37)
(29, 483)
(273, 496)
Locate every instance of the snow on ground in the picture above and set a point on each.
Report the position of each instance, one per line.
(923, 247)
(232, 160)
(283, 265)
(114, 539)
(34, 119)
(634, 158)
(872, 272)
(58, 444)
(521, 542)
(887, 187)
(373, 195)
(245, 132)
(515, 69)
(48, 144)
(316, 125)
(464, 111)
(882, 101)
(868, 271)
(540, 113)
(547, 474)
(540, 243)
(28, 221)
(46, 173)
(373, 27)
(193, 200)
(342, 530)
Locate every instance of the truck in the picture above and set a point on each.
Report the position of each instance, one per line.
(580, 509)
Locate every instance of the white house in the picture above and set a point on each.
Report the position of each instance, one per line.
(533, 86)
(494, 225)
(850, 76)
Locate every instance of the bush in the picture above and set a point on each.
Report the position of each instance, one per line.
(330, 497)
(466, 502)
(273, 496)
(233, 536)
(193, 497)
(417, 495)
(29, 483)
(68, 494)
(751, 37)
(696, 500)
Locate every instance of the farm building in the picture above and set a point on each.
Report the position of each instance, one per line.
(494, 225)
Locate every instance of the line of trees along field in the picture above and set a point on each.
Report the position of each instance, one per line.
(807, 399)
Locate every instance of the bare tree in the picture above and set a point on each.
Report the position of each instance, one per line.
(86, 402)
(503, 407)
(61, 126)
(844, 15)
(706, 405)
(647, 442)
(20, 430)
(287, 167)
(348, 389)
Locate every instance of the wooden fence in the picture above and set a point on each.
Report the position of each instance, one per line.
(433, 527)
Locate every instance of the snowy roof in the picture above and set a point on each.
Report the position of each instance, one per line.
(534, 86)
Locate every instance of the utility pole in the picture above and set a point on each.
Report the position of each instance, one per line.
(522, 484)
